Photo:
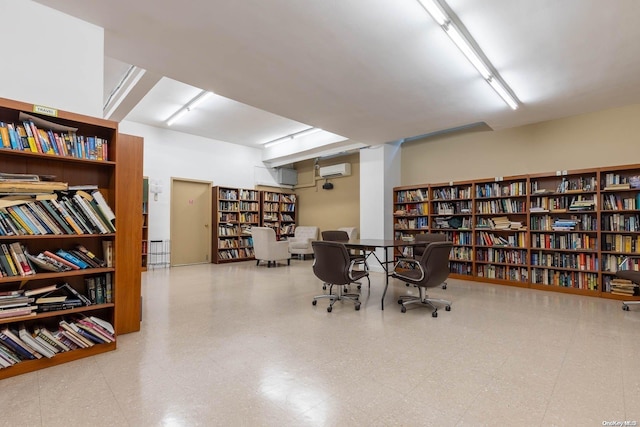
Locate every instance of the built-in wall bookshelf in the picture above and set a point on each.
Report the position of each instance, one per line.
(565, 231)
(98, 214)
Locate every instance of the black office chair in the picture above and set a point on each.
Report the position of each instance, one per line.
(343, 236)
(429, 271)
(632, 276)
(428, 238)
(334, 267)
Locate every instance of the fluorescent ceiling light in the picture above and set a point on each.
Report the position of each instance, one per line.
(466, 47)
(189, 106)
(305, 132)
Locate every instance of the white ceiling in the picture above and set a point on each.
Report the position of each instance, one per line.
(373, 71)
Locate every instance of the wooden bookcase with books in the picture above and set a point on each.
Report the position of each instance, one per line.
(564, 231)
(452, 215)
(410, 211)
(145, 223)
(620, 226)
(501, 245)
(78, 151)
(271, 210)
(235, 210)
(288, 214)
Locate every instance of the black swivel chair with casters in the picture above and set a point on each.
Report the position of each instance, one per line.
(428, 238)
(429, 271)
(343, 236)
(334, 267)
(632, 276)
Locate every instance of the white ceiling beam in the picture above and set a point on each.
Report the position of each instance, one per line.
(134, 86)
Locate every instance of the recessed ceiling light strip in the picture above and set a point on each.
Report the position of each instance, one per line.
(189, 106)
(486, 70)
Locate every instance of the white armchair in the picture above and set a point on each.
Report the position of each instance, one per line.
(268, 248)
(351, 231)
(300, 243)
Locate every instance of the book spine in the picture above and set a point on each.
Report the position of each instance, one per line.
(61, 260)
(72, 259)
(67, 217)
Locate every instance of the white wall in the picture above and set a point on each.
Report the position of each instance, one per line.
(50, 59)
(169, 154)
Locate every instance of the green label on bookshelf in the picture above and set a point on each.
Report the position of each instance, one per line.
(45, 110)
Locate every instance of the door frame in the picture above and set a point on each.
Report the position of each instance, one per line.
(172, 216)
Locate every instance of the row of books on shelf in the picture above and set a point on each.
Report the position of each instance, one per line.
(19, 343)
(499, 189)
(450, 193)
(407, 196)
(564, 260)
(15, 260)
(500, 272)
(617, 181)
(620, 243)
(566, 279)
(621, 222)
(235, 243)
(36, 135)
(55, 297)
(564, 241)
(76, 212)
(501, 206)
(490, 239)
(236, 253)
(614, 202)
(503, 256)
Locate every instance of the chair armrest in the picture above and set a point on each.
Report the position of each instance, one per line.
(413, 262)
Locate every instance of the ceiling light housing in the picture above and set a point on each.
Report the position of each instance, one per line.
(464, 44)
(189, 106)
(302, 133)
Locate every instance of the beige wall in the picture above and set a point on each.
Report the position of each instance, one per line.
(329, 209)
(605, 138)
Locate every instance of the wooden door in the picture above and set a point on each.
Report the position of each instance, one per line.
(190, 222)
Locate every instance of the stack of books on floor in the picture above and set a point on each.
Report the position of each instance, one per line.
(38, 341)
(624, 287)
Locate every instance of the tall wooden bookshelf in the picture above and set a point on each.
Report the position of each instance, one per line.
(145, 223)
(118, 180)
(280, 212)
(288, 214)
(235, 211)
(565, 231)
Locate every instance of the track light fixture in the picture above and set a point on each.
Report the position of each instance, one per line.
(466, 47)
(189, 106)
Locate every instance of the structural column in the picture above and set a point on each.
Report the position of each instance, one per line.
(379, 173)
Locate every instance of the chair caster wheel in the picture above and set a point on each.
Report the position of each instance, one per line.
(399, 301)
(403, 309)
(448, 308)
(359, 287)
(434, 314)
(324, 287)
(329, 309)
(357, 307)
(444, 286)
(625, 307)
(314, 302)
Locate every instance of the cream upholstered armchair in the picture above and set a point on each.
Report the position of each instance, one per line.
(300, 243)
(351, 231)
(268, 248)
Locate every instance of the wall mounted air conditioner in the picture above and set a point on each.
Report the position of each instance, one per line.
(333, 171)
